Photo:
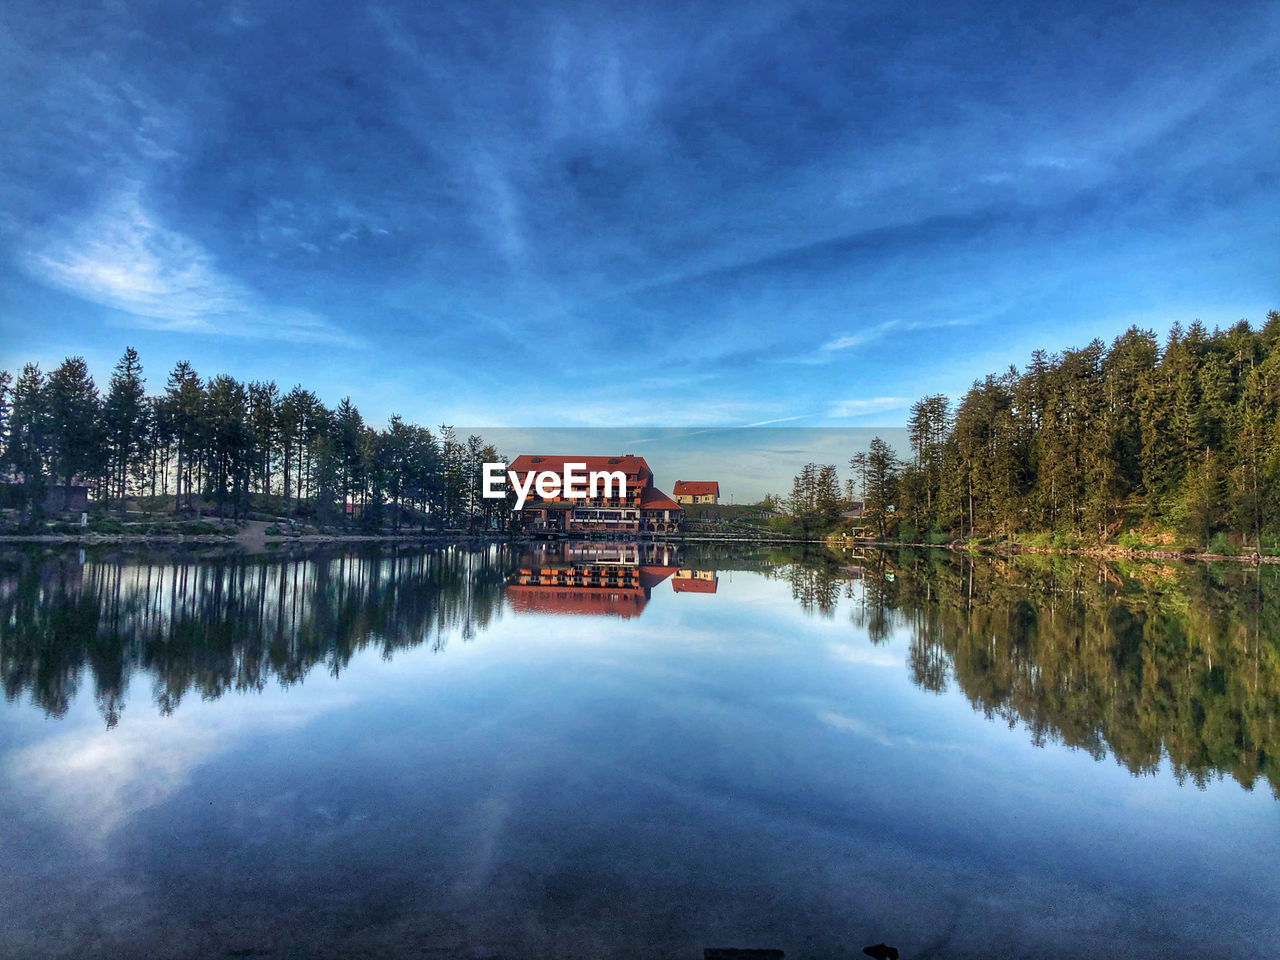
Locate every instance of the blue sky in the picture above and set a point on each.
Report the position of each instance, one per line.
(591, 213)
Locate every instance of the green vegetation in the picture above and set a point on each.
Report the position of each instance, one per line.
(233, 447)
(1173, 446)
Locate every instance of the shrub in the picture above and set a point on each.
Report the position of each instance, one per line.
(1220, 545)
(1065, 540)
(1130, 540)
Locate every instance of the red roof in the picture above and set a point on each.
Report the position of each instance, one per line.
(628, 463)
(692, 585)
(651, 498)
(696, 488)
(650, 577)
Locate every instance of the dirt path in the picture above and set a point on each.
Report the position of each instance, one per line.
(254, 534)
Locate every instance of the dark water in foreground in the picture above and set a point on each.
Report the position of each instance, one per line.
(434, 754)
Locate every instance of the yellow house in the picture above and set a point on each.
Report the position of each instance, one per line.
(697, 491)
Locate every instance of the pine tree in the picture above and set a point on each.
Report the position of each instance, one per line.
(882, 485)
(183, 412)
(29, 431)
(125, 422)
(75, 423)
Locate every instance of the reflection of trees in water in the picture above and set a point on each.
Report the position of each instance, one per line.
(229, 623)
(817, 582)
(1136, 660)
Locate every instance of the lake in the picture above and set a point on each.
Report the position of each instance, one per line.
(621, 750)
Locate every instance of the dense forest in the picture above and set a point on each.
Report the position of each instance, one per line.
(1140, 441)
(228, 443)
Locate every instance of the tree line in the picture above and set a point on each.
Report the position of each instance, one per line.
(234, 444)
(1181, 436)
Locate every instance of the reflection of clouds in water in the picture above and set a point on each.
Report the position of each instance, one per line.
(487, 824)
(872, 656)
(863, 729)
(93, 780)
(885, 738)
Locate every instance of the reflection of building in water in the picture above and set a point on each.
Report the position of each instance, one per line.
(688, 580)
(604, 579)
(644, 509)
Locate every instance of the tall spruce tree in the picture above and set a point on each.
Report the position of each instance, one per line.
(125, 422)
(75, 424)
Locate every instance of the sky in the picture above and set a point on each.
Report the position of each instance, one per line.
(603, 214)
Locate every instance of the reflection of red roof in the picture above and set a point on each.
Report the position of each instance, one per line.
(593, 601)
(651, 498)
(696, 488)
(693, 585)
(652, 576)
(629, 464)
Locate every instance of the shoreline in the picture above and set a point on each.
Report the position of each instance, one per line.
(1103, 552)
(250, 539)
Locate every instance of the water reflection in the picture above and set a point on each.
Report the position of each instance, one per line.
(1136, 661)
(1139, 661)
(597, 579)
(212, 623)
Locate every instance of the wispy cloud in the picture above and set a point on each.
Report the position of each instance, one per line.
(765, 423)
(502, 200)
(864, 405)
(857, 339)
(122, 257)
(831, 349)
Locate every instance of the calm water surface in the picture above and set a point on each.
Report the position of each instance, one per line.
(633, 752)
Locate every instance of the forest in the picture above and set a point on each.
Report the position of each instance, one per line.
(230, 445)
(1142, 442)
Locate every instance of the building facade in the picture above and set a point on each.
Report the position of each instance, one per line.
(696, 491)
(643, 509)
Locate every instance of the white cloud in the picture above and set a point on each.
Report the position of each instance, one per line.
(869, 335)
(866, 654)
(122, 257)
(93, 780)
(864, 405)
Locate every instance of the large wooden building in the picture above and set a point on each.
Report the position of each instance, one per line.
(644, 508)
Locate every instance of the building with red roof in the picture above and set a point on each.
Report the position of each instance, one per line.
(697, 491)
(643, 509)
